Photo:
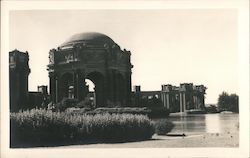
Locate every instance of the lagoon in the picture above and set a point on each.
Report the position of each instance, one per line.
(205, 123)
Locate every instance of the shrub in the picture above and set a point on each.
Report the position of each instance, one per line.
(46, 128)
(162, 127)
(65, 103)
(122, 110)
(85, 104)
(159, 112)
(77, 110)
(211, 109)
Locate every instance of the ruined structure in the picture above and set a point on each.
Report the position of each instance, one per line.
(92, 56)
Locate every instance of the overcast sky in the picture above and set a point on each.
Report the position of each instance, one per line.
(167, 46)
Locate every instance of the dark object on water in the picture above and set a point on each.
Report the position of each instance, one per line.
(177, 135)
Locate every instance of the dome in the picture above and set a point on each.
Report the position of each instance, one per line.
(93, 37)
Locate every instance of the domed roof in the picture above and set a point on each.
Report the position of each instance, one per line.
(94, 37)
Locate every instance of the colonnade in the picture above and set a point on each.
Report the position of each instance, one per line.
(186, 100)
(111, 89)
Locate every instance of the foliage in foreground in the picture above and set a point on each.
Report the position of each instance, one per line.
(162, 126)
(44, 127)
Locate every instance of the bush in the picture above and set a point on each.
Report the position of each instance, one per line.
(46, 128)
(211, 109)
(65, 103)
(159, 112)
(77, 110)
(122, 110)
(162, 127)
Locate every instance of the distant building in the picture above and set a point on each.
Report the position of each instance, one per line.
(176, 99)
(18, 77)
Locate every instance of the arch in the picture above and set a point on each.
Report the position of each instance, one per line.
(66, 85)
(99, 93)
(90, 85)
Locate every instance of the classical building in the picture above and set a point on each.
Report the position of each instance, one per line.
(18, 77)
(184, 98)
(92, 56)
(96, 57)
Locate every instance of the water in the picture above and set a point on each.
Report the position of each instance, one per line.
(205, 123)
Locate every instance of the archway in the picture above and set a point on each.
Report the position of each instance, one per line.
(66, 89)
(90, 85)
(90, 99)
(95, 79)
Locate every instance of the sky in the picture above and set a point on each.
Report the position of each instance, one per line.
(170, 46)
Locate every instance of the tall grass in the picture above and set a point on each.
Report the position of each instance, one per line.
(44, 127)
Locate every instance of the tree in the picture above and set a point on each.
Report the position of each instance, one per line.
(234, 102)
(223, 101)
(228, 102)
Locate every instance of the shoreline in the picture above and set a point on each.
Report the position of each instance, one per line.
(228, 140)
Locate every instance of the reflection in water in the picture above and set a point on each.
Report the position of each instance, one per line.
(213, 124)
(205, 123)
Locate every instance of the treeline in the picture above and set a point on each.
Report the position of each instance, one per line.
(228, 102)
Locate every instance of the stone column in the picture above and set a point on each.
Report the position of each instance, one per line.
(128, 88)
(111, 87)
(184, 102)
(167, 95)
(163, 98)
(181, 102)
(104, 89)
(77, 85)
(115, 88)
(80, 82)
(202, 101)
(52, 87)
(74, 83)
(56, 89)
(196, 102)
